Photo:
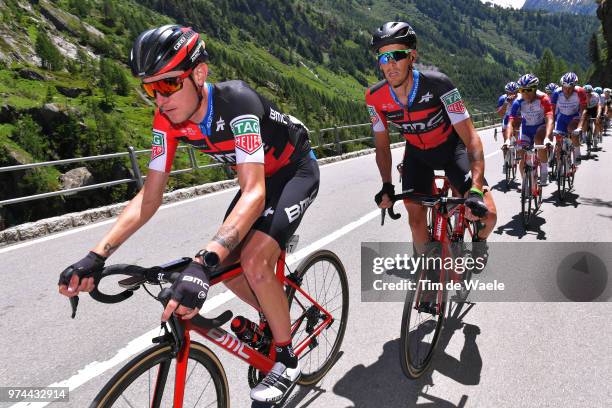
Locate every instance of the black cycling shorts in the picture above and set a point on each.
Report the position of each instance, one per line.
(592, 112)
(289, 192)
(419, 165)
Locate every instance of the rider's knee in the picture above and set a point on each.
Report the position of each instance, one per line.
(257, 269)
(416, 216)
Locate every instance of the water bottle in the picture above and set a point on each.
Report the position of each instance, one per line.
(249, 332)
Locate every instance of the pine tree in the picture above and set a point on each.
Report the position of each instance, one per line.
(546, 68)
(594, 52)
(50, 56)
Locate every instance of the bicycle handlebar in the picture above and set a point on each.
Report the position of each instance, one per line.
(426, 200)
(153, 275)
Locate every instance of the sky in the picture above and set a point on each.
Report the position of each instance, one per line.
(517, 4)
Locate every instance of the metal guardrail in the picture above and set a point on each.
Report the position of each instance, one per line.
(336, 146)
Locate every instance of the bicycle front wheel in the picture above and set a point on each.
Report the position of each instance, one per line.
(526, 198)
(149, 380)
(422, 321)
(322, 276)
(561, 178)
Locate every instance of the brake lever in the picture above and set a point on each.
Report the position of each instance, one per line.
(382, 216)
(74, 303)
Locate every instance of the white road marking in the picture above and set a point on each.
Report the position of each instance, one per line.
(96, 368)
(165, 206)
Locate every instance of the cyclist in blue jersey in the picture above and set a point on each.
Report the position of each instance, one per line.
(504, 102)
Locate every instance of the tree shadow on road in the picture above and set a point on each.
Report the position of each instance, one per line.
(383, 384)
(596, 202)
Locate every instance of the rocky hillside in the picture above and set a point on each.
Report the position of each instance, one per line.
(563, 6)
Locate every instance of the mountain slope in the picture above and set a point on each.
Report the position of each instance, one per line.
(309, 57)
(563, 6)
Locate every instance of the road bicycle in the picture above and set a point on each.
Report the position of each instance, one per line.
(510, 162)
(590, 138)
(426, 309)
(531, 189)
(180, 372)
(565, 156)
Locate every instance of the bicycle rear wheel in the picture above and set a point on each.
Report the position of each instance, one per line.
(322, 276)
(148, 380)
(422, 323)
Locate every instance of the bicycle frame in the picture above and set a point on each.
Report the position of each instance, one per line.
(440, 235)
(232, 344)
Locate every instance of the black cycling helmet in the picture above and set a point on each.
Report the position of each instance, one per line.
(166, 48)
(393, 32)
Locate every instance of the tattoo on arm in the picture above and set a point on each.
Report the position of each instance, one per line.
(476, 156)
(228, 237)
(110, 248)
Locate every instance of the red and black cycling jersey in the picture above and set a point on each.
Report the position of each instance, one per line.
(240, 126)
(434, 106)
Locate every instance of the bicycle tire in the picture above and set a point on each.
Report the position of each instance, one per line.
(514, 165)
(508, 169)
(412, 366)
(309, 378)
(526, 198)
(158, 355)
(561, 178)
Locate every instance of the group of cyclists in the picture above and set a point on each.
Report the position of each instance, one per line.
(566, 110)
(277, 169)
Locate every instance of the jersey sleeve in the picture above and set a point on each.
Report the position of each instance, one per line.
(554, 98)
(163, 145)
(500, 102)
(378, 119)
(582, 98)
(515, 110)
(546, 105)
(246, 112)
(451, 100)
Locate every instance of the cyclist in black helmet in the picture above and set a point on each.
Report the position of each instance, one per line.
(430, 113)
(277, 173)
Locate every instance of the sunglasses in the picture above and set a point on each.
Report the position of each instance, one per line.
(397, 55)
(527, 90)
(166, 86)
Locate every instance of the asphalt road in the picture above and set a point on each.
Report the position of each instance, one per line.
(501, 354)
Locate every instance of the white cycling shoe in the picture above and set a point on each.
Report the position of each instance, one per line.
(279, 381)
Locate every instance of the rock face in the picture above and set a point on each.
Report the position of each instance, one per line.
(70, 92)
(565, 6)
(30, 74)
(76, 178)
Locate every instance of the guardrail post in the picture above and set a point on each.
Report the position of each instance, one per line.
(337, 140)
(135, 168)
(192, 158)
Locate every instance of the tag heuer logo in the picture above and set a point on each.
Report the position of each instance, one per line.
(158, 147)
(373, 115)
(453, 103)
(248, 143)
(246, 133)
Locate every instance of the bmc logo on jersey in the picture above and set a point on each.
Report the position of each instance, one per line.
(246, 133)
(453, 103)
(158, 148)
